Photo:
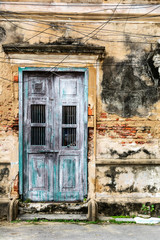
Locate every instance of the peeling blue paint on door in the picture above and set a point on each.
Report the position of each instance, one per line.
(53, 152)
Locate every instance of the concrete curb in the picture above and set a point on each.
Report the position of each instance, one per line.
(13, 209)
(81, 217)
(137, 220)
(4, 208)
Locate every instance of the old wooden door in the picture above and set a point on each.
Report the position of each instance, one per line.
(54, 133)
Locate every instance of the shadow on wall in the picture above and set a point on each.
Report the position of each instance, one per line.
(4, 174)
(2, 34)
(130, 87)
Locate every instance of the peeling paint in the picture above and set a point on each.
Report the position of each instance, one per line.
(125, 93)
(2, 34)
(131, 179)
(4, 172)
(128, 153)
(123, 100)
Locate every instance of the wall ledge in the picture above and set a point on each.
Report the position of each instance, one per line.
(57, 49)
(5, 163)
(117, 162)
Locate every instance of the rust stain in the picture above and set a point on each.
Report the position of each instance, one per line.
(98, 186)
(90, 113)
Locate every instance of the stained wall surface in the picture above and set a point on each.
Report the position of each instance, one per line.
(124, 101)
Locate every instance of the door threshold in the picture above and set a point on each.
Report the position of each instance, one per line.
(50, 217)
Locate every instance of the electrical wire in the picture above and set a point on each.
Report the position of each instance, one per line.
(123, 6)
(88, 35)
(88, 65)
(102, 26)
(84, 34)
(26, 28)
(97, 29)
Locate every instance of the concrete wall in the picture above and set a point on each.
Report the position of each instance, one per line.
(124, 115)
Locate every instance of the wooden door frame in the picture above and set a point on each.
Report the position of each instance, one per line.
(21, 103)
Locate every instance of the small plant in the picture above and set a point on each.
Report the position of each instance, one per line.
(16, 221)
(32, 220)
(121, 216)
(147, 209)
(121, 222)
(76, 221)
(152, 208)
(28, 200)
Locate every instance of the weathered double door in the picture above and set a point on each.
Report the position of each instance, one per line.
(54, 131)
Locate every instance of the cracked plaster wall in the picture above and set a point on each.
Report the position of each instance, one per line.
(127, 100)
(128, 122)
(128, 179)
(8, 121)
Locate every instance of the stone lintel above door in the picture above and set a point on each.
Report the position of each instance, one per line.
(54, 48)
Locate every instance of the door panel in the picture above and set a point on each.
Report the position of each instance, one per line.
(37, 173)
(41, 178)
(54, 136)
(68, 179)
(68, 90)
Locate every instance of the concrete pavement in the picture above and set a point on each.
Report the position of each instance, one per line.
(80, 231)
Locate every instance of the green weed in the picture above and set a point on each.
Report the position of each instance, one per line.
(28, 200)
(121, 222)
(147, 209)
(122, 216)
